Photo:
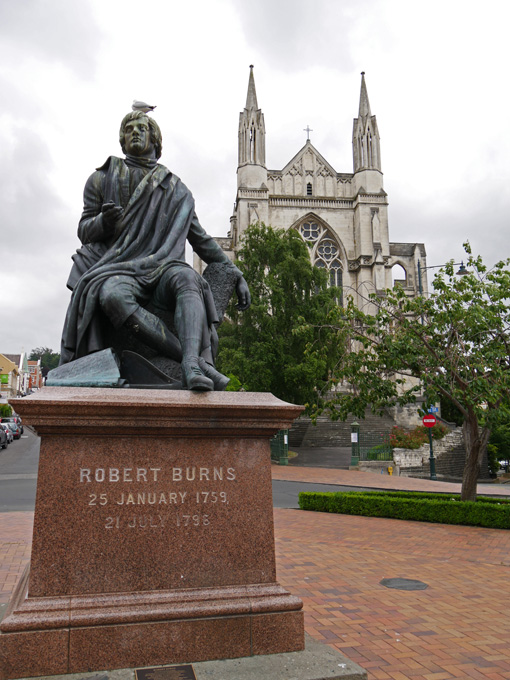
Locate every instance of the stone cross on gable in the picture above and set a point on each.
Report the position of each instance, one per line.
(307, 129)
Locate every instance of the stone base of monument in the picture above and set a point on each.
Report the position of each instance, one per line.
(316, 662)
(153, 533)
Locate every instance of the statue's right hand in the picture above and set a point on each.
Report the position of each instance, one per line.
(111, 213)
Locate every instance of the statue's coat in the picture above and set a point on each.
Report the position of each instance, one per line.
(158, 219)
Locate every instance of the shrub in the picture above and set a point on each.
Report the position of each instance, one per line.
(444, 509)
(234, 384)
(379, 452)
(500, 438)
(492, 456)
(402, 439)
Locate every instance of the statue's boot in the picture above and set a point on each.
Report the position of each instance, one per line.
(220, 381)
(189, 319)
(152, 331)
(192, 376)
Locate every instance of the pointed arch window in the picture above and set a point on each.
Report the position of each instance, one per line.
(309, 189)
(325, 251)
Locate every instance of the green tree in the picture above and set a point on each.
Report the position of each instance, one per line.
(453, 345)
(285, 342)
(500, 433)
(5, 410)
(49, 358)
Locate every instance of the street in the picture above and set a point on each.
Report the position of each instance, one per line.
(18, 473)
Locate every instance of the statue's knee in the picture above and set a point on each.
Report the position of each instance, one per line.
(113, 296)
(107, 296)
(188, 280)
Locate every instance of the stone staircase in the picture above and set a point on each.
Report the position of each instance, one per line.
(328, 433)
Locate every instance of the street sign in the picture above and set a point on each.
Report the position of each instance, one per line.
(434, 409)
(429, 421)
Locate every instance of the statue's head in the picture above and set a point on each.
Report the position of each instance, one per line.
(154, 131)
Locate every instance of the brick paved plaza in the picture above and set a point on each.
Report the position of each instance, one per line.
(459, 627)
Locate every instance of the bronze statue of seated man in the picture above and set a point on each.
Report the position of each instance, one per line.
(136, 219)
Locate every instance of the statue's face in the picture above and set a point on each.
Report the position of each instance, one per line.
(137, 140)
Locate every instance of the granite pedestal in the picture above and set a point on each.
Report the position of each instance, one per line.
(153, 533)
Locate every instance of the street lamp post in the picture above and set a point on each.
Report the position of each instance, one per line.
(462, 271)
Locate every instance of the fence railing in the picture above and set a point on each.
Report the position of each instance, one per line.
(280, 447)
(369, 446)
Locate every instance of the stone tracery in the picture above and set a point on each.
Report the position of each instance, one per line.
(325, 252)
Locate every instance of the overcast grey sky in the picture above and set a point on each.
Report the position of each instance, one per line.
(437, 76)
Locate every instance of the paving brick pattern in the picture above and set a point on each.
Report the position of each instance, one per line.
(15, 539)
(459, 627)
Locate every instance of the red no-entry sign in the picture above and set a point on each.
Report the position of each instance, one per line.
(429, 420)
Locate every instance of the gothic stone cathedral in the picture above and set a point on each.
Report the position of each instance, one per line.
(343, 216)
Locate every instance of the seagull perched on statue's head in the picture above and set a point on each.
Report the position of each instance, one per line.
(142, 106)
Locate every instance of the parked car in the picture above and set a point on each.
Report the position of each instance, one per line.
(15, 428)
(8, 432)
(3, 438)
(14, 419)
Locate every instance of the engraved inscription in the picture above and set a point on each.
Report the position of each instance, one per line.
(158, 498)
(119, 474)
(162, 493)
(211, 497)
(98, 499)
(177, 474)
(155, 521)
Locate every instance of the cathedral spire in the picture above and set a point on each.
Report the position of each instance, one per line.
(251, 97)
(365, 135)
(252, 133)
(364, 104)
(252, 200)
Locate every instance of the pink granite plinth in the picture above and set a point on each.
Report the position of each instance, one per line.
(153, 533)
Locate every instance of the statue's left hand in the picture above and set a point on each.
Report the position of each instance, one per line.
(243, 295)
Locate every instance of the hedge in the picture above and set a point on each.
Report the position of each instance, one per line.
(433, 495)
(420, 507)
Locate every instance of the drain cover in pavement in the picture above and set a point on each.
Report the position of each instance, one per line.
(403, 584)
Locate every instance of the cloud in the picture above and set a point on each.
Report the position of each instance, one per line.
(299, 34)
(32, 212)
(35, 311)
(37, 241)
(53, 30)
(478, 214)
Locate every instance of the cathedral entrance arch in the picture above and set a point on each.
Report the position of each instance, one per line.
(325, 250)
